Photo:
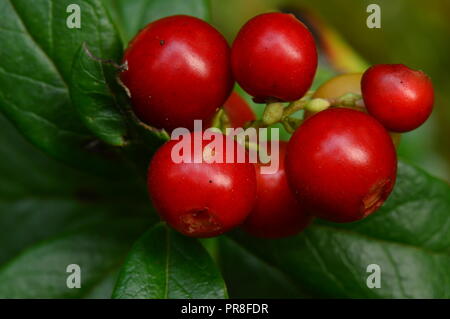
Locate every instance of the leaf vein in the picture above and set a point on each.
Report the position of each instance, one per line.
(38, 45)
(33, 80)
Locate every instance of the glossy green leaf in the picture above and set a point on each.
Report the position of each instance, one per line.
(247, 276)
(164, 264)
(41, 271)
(36, 54)
(131, 16)
(92, 96)
(43, 207)
(104, 108)
(409, 238)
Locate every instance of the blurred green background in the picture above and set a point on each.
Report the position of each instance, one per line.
(413, 32)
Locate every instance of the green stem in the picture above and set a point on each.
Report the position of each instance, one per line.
(273, 113)
(276, 113)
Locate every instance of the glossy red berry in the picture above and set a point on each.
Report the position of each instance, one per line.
(276, 213)
(201, 199)
(178, 70)
(274, 57)
(398, 97)
(238, 111)
(341, 164)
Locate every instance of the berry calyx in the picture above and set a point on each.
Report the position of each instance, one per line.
(201, 199)
(276, 212)
(341, 165)
(177, 70)
(398, 97)
(274, 57)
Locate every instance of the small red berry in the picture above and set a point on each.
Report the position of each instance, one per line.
(201, 199)
(178, 70)
(341, 164)
(274, 57)
(397, 96)
(276, 213)
(238, 111)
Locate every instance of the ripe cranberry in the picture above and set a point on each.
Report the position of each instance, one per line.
(276, 213)
(274, 57)
(342, 165)
(397, 96)
(201, 199)
(238, 111)
(178, 70)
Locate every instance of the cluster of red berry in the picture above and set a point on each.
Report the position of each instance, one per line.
(339, 165)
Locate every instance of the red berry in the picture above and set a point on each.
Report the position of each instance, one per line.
(178, 70)
(201, 199)
(397, 96)
(342, 165)
(274, 57)
(238, 111)
(276, 213)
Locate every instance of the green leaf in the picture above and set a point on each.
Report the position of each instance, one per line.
(164, 264)
(93, 98)
(35, 68)
(247, 276)
(131, 16)
(43, 202)
(104, 108)
(40, 272)
(409, 238)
